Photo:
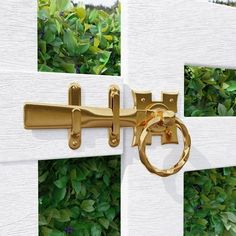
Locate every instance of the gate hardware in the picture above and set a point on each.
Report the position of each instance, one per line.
(148, 118)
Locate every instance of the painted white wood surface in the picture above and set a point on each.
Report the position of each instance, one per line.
(51, 88)
(159, 37)
(19, 180)
(18, 30)
(162, 36)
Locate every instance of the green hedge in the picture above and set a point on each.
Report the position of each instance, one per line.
(78, 39)
(210, 202)
(228, 3)
(209, 91)
(79, 197)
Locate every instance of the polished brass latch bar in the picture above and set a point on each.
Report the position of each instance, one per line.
(147, 118)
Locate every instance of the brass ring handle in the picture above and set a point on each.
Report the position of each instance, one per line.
(184, 157)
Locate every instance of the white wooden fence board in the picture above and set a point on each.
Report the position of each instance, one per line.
(162, 36)
(19, 144)
(159, 37)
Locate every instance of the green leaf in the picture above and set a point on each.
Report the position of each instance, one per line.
(83, 47)
(196, 84)
(110, 214)
(197, 113)
(104, 222)
(232, 86)
(202, 222)
(43, 14)
(65, 215)
(43, 177)
(93, 15)
(63, 5)
(104, 206)
(76, 186)
(70, 42)
(87, 205)
(81, 12)
(42, 220)
(231, 216)
(69, 67)
(59, 194)
(61, 183)
(45, 231)
(96, 230)
(43, 46)
(230, 112)
(222, 110)
(106, 180)
(75, 212)
(49, 36)
(225, 86)
(56, 43)
(98, 69)
(104, 57)
(226, 171)
(53, 213)
(45, 68)
(56, 233)
(52, 7)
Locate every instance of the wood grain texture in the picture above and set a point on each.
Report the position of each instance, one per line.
(158, 38)
(18, 198)
(49, 88)
(19, 180)
(162, 36)
(18, 30)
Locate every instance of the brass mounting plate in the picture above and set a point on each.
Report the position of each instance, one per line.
(74, 99)
(143, 102)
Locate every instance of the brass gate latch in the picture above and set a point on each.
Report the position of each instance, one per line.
(147, 118)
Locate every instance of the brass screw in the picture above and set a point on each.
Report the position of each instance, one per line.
(171, 100)
(73, 87)
(143, 99)
(114, 140)
(114, 91)
(74, 143)
(169, 133)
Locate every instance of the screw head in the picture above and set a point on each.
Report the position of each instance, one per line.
(74, 143)
(168, 133)
(171, 100)
(143, 99)
(114, 140)
(168, 117)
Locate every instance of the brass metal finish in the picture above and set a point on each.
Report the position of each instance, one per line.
(147, 118)
(114, 105)
(184, 157)
(74, 98)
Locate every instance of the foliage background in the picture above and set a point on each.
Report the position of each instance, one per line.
(225, 2)
(209, 91)
(79, 197)
(75, 38)
(210, 202)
